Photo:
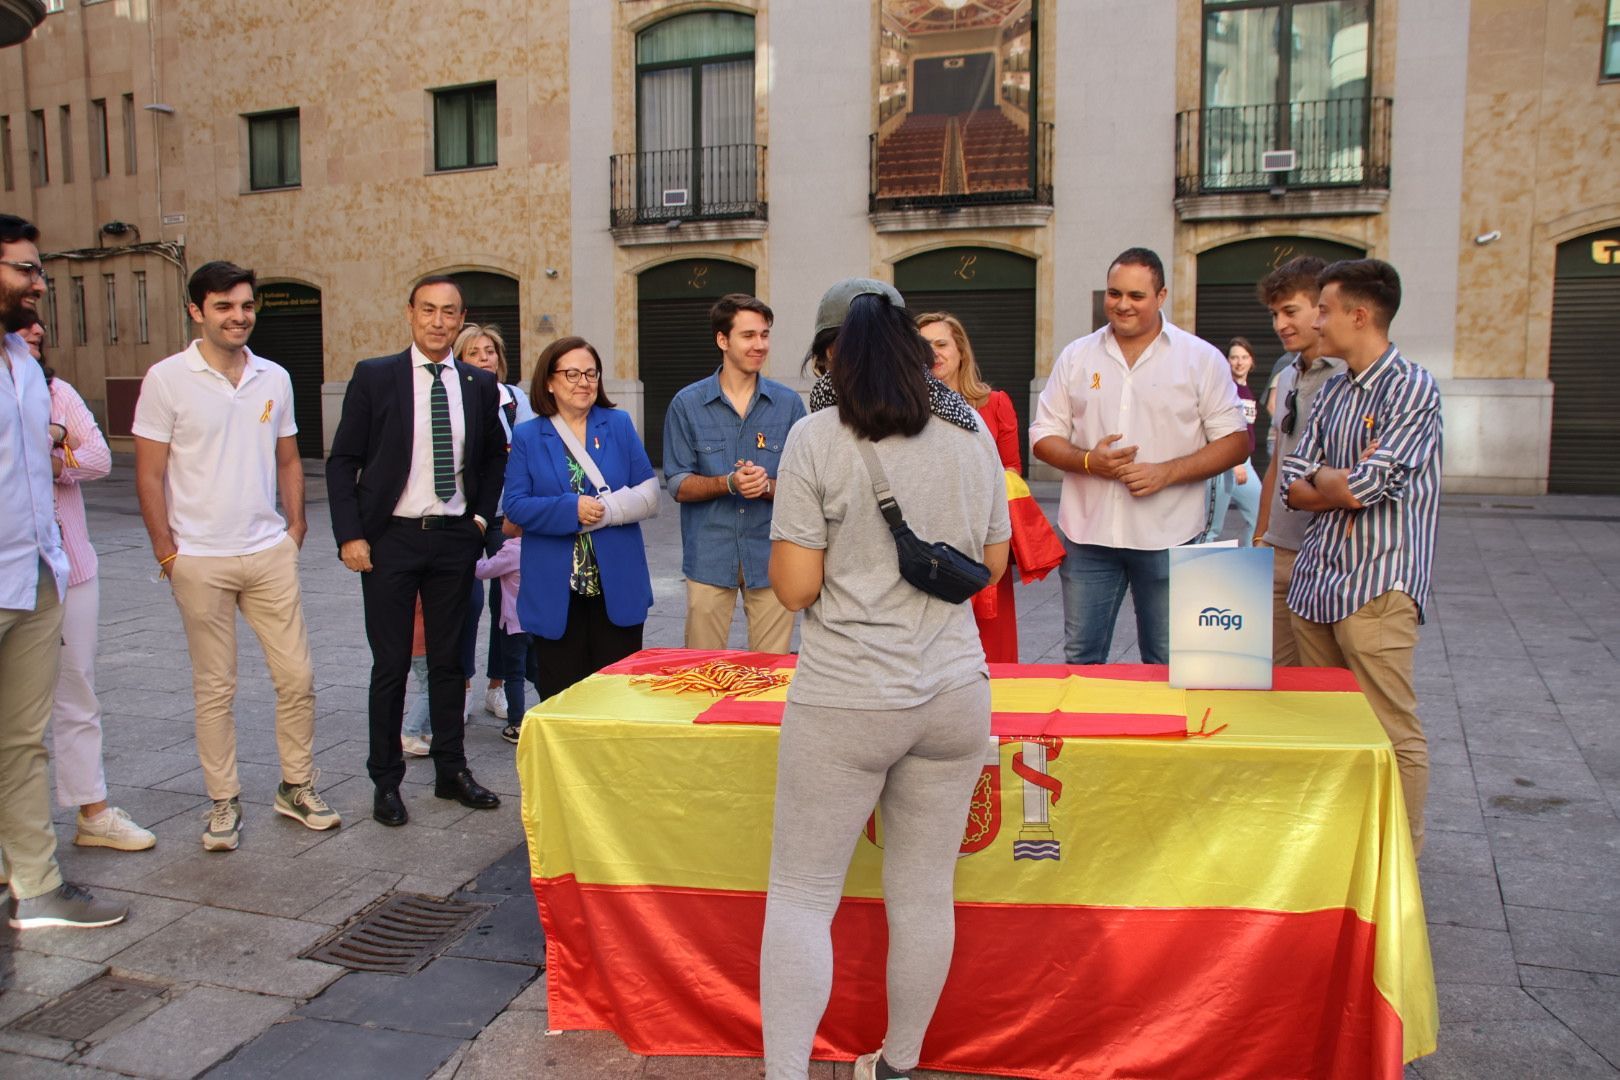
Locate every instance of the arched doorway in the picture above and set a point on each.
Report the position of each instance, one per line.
(288, 331)
(674, 345)
(992, 292)
(1229, 307)
(493, 298)
(1581, 361)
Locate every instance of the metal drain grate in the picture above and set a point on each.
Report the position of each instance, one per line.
(88, 1009)
(399, 935)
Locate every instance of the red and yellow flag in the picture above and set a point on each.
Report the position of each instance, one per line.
(1240, 904)
(1036, 549)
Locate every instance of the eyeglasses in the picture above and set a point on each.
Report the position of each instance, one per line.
(573, 375)
(33, 270)
(1290, 416)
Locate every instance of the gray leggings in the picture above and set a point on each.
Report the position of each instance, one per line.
(920, 765)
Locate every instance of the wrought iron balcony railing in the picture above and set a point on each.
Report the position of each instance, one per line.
(706, 183)
(1338, 143)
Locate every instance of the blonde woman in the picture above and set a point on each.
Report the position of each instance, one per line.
(955, 366)
(483, 346)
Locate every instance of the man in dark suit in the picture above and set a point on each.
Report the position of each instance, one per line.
(413, 480)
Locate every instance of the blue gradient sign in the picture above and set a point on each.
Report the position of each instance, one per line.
(1220, 618)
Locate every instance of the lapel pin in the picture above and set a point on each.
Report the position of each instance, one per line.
(596, 442)
(264, 417)
(759, 440)
(1096, 380)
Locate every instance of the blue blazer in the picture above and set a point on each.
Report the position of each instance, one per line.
(540, 498)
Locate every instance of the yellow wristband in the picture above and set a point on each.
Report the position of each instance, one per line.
(169, 559)
(1086, 462)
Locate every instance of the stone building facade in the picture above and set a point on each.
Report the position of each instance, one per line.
(607, 168)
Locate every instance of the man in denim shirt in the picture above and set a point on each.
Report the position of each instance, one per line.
(723, 436)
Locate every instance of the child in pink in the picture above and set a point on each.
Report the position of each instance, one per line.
(504, 565)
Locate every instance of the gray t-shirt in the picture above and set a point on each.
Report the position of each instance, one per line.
(871, 640)
(1285, 528)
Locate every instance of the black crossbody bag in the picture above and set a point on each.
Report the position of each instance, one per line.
(937, 569)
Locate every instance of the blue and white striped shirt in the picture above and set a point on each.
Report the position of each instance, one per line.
(1350, 557)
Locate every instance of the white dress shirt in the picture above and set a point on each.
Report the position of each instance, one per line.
(1177, 398)
(418, 499)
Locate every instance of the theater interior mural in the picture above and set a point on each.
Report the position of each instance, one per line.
(955, 96)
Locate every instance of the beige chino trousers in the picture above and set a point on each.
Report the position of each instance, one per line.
(1284, 649)
(1376, 643)
(30, 649)
(708, 617)
(264, 586)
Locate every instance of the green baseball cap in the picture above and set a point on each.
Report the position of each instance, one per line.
(836, 300)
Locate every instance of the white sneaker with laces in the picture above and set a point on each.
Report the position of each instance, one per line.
(416, 745)
(112, 828)
(495, 702)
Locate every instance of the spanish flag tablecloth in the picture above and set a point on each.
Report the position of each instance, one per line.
(1153, 882)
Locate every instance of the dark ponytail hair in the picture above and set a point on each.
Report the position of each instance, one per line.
(880, 375)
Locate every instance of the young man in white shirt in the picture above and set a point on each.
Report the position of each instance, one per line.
(214, 439)
(1138, 415)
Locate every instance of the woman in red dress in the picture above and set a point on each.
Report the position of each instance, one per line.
(955, 367)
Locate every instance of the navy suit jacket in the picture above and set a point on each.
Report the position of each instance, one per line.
(371, 450)
(540, 497)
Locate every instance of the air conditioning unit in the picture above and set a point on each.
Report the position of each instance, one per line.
(675, 196)
(1277, 161)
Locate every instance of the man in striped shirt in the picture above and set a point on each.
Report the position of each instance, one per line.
(1369, 467)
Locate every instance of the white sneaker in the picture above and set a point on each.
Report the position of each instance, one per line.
(417, 745)
(112, 828)
(866, 1068)
(495, 702)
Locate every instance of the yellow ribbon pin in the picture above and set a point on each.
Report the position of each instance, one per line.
(759, 440)
(1368, 420)
(264, 417)
(1096, 380)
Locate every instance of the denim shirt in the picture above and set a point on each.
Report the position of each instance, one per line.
(28, 529)
(703, 435)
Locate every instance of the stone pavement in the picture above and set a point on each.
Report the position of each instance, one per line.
(1519, 690)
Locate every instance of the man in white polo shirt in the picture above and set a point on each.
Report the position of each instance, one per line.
(1138, 415)
(214, 437)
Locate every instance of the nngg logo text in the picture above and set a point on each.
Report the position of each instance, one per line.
(1220, 618)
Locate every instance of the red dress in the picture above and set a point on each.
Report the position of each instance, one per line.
(999, 632)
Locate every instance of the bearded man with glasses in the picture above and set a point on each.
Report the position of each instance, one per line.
(1290, 292)
(33, 590)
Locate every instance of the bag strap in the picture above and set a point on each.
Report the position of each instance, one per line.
(887, 506)
(576, 448)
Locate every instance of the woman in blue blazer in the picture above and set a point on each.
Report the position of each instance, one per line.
(585, 589)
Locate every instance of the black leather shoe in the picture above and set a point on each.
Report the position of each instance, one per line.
(466, 791)
(388, 808)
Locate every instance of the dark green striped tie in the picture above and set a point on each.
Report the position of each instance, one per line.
(444, 462)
